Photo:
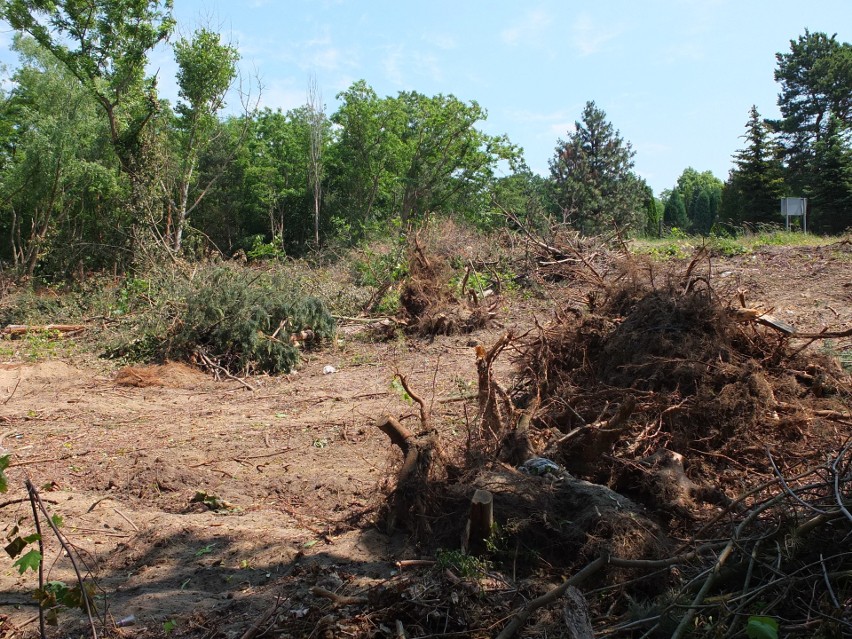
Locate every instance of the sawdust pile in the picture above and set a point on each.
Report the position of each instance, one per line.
(168, 375)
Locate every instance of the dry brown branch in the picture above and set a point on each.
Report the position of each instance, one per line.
(208, 361)
(424, 409)
(16, 330)
(255, 628)
(338, 600)
(549, 597)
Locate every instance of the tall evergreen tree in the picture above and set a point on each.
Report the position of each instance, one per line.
(816, 84)
(675, 212)
(592, 176)
(830, 186)
(755, 184)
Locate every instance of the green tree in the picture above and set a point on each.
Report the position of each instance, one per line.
(206, 70)
(411, 155)
(524, 194)
(830, 188)
(816, 85)
(701, 193)
(756, 183)
(592, 177)
(59, 185)
(654, 210)
(104, 44)
(674, 213)
(366, 157)
(702, 216)
(447, 162)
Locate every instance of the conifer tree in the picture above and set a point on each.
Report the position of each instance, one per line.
(755, 184)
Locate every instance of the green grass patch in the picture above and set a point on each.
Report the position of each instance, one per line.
(681, 246)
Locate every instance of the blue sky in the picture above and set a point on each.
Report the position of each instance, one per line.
(676, 77)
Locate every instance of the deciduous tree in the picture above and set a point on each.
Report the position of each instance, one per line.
(206, 70)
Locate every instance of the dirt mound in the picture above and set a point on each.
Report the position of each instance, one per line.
(169, 375)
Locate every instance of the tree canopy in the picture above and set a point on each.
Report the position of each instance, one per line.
(95, 165)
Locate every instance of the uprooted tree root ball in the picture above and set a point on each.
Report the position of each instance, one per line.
(430, 306)
(652, 402)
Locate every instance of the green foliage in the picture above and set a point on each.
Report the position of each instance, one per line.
(701, 196)
(35, 346)
(59, 182)
(410, 155)
(29, 561)
(466, 566)
(239, 317)
(104, 44)
(4, 464)
(378, 266)
(594, 184)
(762, 628)
(815, 87)
(751, 194)
(206, 70)
(399, 389)
(129, 295)
(57, 593)
(261, 250)
(830, 177)
(738, 241)
(674, 214)
(526, 195)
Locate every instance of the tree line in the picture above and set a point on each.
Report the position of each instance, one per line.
(807, 152)
(96, 169)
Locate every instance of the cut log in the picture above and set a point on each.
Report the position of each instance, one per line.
(15, 330)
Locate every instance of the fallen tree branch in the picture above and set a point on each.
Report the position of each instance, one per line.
(15, 330)
(524, 613)
(221, 369)
(338, 600)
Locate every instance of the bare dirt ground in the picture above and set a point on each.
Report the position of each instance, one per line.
(199, 502)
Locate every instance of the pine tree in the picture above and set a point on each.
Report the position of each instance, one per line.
(674, 214)
(756, 183)
(592, 177)
(831, 182)
(816, 85)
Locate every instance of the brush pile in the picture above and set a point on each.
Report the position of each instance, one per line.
(703, 463)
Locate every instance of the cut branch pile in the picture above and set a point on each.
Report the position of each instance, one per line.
(654, 403)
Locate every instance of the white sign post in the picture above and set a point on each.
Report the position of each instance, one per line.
(795, 207)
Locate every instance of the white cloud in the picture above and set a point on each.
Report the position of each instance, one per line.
(562, 128)
(402, 66)
(529, 30)
(589, 38)
(392, 64)
(549, 125)
(326, 59)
